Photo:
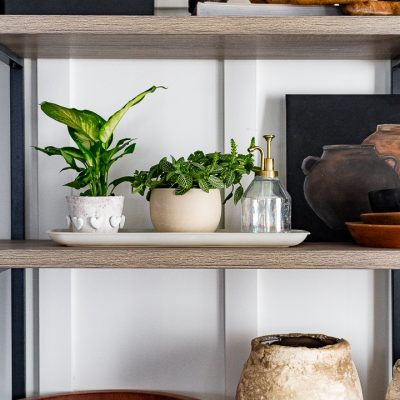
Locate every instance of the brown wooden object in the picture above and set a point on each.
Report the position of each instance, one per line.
(201, 37)
(45, 254)
(387, 236)
(114, 395)
(372, 8)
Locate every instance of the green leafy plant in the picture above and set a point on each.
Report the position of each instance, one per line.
(93, 136)
(199, 170)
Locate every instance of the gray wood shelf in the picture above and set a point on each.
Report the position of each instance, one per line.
(45, 254)
(130, 37)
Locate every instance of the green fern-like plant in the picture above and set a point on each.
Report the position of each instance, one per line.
(199, 170)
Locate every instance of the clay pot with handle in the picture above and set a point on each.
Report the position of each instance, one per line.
(337, 183)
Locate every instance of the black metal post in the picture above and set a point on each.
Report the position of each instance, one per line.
(17, 150)
(395, 88)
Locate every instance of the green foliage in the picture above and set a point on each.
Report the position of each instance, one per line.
(199, 170)
(93, 136)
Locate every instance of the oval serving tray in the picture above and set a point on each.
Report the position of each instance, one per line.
(175, 239)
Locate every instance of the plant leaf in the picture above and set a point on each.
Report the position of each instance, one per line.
(238, 194)
(185, 181)
(204, 186)
(83, 122)
(165, 165)
(86, 152)
(108, 127)
(215, 182)
(230, 178)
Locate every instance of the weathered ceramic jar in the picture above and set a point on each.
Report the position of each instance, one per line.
(299, 367)
(195, 211)
(386, 140)
(95, 214)
(337, 184)
(393, 392)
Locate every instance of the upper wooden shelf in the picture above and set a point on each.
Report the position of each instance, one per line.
(45, 254)
(201, 37)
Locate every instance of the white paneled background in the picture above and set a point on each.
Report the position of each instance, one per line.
(183, 331)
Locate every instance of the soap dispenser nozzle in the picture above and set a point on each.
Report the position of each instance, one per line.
(267, 168)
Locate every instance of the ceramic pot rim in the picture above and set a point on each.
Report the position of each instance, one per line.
(339, 343)
(93, 197)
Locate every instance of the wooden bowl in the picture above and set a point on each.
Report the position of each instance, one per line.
(114, 395)
(389, 218)
(375, 235)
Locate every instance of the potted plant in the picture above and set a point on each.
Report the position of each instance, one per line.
(96, 209)
(185, 194)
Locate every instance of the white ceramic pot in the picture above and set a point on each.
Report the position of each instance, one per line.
(95, 214)
(195, 211)
(299, 367)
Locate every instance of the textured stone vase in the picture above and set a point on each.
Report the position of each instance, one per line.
(299, 367)
(393, 392)
(95, 214)
(195, 211)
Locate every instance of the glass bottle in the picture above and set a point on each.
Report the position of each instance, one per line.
(266, 204)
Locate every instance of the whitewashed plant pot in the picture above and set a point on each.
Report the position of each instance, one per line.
(299, 367)
(195, 211)
(95, 214)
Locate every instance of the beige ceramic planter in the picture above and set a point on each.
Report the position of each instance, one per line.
(95, 214)
(195, 211)
(299, 367)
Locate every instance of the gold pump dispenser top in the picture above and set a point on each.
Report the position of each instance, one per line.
(267, 168)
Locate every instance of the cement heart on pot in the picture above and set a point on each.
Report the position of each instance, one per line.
(96, 222)
(115, 221)
(78, 222)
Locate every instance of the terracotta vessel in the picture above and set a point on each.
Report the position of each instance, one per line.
(386, 140)
(389, 218)
(299, 367)
(337, 184)
(195, 211)
(113, 395)
(369, 235)
(95, 214)
(393, 392)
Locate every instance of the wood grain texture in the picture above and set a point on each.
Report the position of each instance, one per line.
(201, 37)
(45, 254)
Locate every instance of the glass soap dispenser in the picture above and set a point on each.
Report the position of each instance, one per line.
(266, 204)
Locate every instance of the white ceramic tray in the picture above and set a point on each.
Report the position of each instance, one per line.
(160, 239)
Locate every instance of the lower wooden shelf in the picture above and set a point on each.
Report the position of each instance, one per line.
(45, 254)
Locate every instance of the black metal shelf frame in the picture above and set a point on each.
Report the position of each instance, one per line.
(17, 148)
(17, 168)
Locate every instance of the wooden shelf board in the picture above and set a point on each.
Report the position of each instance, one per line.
(45, 254)
(201, 37)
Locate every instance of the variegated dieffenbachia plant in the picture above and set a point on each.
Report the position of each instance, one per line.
(93, 155)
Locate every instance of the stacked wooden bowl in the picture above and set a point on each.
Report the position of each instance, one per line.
(348, 7)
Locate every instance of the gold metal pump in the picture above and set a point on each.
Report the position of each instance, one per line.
(267, 167)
